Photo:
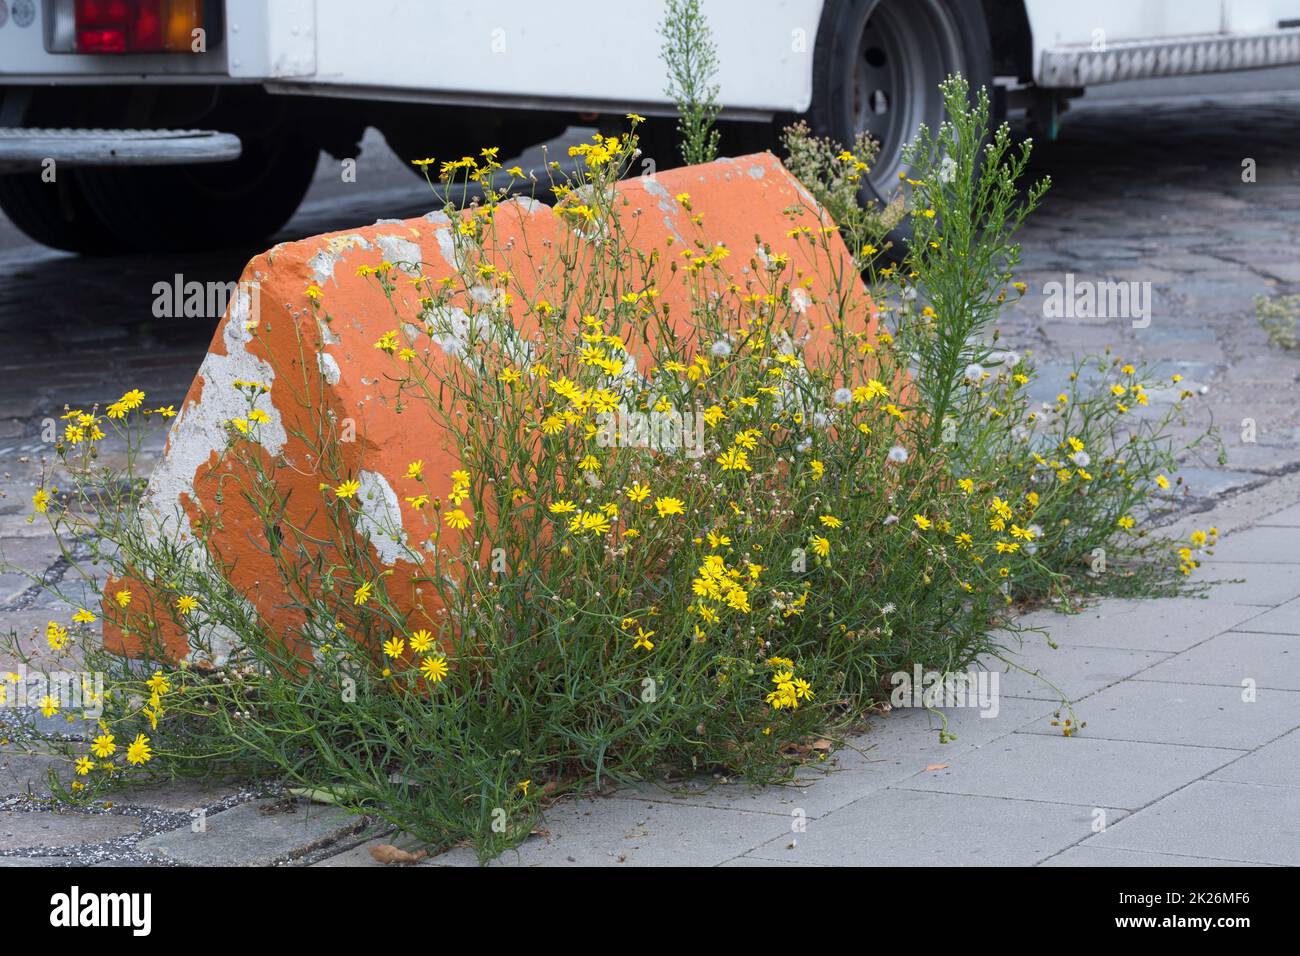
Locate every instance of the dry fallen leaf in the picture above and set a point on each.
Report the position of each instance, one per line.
(937, 766)
(388, 854)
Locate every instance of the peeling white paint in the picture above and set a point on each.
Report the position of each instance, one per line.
(380, 518)
(329, 367)
(401, 252)
(322, 264)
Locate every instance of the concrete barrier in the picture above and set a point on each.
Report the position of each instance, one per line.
(272, 335)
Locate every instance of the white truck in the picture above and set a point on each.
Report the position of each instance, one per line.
(147, 124)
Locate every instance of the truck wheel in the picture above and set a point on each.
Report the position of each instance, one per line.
(54, 214)
(210, 206)
(877, 69)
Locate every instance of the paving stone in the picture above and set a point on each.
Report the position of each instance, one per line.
(1259, 584)
(916, 828)
(247, 836)
(603, 832)
(1264, 543)
(1271, 660)
(29, 773)
(1276, 764)
(1088, 855)
(361, 856)
(1290, 518)
(21, 830)
(33, 861)
(1229, 821)
(1213, 482)
(1283, 619)
(178, 796)
(1197, 715)
(1075, 770)
(895, 747)
(1078, 670)
(1166, 624)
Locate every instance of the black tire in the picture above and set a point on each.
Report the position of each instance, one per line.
(210, 206)
(54, 214)
(877, 66)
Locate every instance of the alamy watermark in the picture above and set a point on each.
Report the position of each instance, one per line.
(1086, 299)
(976, 688)
(667, 431)
(179, 299)
(54, 692)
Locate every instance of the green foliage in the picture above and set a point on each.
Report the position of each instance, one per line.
(692, 60)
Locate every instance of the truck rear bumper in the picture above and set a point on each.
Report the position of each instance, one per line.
(24, 148)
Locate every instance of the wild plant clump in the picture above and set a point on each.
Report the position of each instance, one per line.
(613, 610)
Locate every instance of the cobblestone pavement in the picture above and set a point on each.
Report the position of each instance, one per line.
(1144, 191)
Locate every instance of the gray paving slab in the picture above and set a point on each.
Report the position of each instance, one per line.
(1077, 770)
(1289, 518)
(1078, 670)
(1283, 619)
(606, 832)
(895, 746)
(1196, 715)
(1166, 624)
(1251, 582)
(42, 829)
(1276, 764)
(1230, 821)
(253, 834)
(1270, 660)
(918, 828)
(1266, 543)
(1089, 855)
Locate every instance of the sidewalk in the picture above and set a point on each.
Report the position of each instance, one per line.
(1176, 766)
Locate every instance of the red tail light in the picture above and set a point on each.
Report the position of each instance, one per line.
(137, 26)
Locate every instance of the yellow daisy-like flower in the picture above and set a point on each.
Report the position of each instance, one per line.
(394, 646)
(922, 522)
(821, 546)
(421, 640)
(138, 752)
(186, 604)
(669, 506)
(434, 669)
(638, 492)
(457, 519)
(347, 489)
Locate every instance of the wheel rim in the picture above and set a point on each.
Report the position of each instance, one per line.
(906, 48)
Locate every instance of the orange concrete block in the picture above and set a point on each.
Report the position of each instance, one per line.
(272, 335)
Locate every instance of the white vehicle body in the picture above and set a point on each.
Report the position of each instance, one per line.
(439, 77)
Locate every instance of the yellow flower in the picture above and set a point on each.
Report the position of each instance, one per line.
(669, 506)
(643, 639)
(83, 617)
(638, 492)
(415, 469)
(818, 468)
(49, 706)
(830, 521)
(821, 546)
(56, 636)
(457, 519)
(139, 752)
(1162, 481)
(41, 501)
(922, 522)
(123, 597)
(362, 594)
(421, 640)
(103, 746)
(434, 669)
(84, 765)
(186, 604)
(394, 646)
(734, 459)
(348, 489)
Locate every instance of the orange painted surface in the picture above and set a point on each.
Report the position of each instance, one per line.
(739, 200)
